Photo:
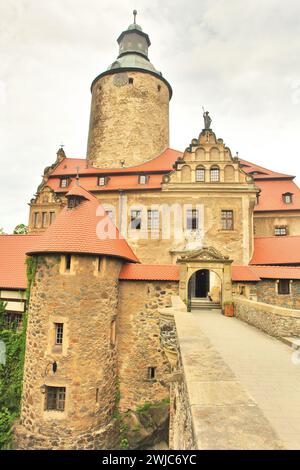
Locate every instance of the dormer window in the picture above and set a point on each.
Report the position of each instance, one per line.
(280, 231)
(73, 201)
(103, 180)
(287, 198)
(64, 182)
(143, 179)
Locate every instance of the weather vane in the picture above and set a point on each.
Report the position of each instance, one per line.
(134, 16)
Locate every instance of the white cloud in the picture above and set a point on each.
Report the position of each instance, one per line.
(238, 59)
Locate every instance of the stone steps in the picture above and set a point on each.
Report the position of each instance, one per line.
(206, 304)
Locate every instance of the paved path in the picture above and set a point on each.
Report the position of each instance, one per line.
(264, 366)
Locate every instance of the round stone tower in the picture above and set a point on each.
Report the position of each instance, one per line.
(70, 372)
(129, 121)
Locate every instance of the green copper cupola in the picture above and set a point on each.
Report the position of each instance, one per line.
(133, 49)
(134, 40)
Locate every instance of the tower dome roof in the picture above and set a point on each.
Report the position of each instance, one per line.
(134, 26)
(133, 49)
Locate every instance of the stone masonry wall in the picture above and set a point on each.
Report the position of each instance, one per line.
(85, 301)
(267, 292)
(181, 424)
(128, 121)
(276, 321)
(139, 345)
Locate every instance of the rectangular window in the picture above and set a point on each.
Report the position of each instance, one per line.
(280, 231)
(68, 262)
(44, 219)
(153, 220)
(55, 398)
(101, 181)
(35, 219)
(136, 220)
(64, 183)
(151, 373)
(214, 174)
(283, 286)
(13, 320)
(227, 220)
(288, 198)
(200, 174)
(51, 217)
(192, 219)
(143, 179)
(59, 332)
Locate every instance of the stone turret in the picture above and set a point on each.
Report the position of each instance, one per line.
(130, 107)
(70, 383)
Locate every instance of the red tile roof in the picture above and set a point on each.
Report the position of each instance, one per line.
(244, 273)
(116, 182)
(262, 173)
(277, 272)
(256, 273)
(84, 229)
(161, 163)
(271, 199)
(149, 272)
(272, 184)
(13, 250)
(276, 250)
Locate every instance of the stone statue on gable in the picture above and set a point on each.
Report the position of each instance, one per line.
(207, 120)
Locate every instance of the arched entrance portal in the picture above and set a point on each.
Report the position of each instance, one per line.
(199, 284)
(205, 272)
(204, 289)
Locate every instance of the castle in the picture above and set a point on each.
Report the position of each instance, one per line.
(114, 236)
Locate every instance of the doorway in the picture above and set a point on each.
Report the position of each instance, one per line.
(199, 284)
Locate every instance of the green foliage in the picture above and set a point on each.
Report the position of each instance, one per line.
(31, 264)
(11, 376)
(20, 229)
(147, 405)
(124, 443)
(11, 372)
(2, 231)
(6, 421)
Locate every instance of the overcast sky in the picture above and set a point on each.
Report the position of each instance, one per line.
(240, 59)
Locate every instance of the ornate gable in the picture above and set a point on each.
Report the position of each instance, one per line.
(208, 162)
(208, 253)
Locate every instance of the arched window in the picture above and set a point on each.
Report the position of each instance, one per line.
(214, 174)
(200, 173)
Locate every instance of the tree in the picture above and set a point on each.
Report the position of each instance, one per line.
(21, 229)
(2, 231)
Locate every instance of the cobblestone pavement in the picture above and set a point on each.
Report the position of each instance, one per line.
(264, 367)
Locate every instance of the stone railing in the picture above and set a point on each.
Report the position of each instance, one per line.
(168, 335)
(276, 321)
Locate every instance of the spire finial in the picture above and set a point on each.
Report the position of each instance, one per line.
(134, 16)
(77, 176)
